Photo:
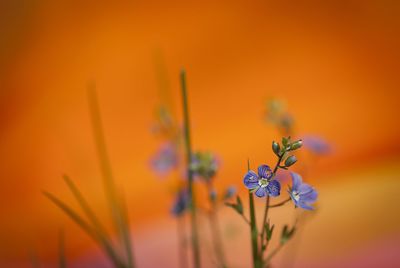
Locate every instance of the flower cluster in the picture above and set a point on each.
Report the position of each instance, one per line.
(264, 182)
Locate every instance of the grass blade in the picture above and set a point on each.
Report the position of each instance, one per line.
(100, 230)
(86, 228)
(108, 180)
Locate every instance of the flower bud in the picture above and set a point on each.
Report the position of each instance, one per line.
(285, 141)
(276, 148)
(296, 145)
(290, 160)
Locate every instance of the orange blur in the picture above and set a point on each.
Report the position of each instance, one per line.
(335, 63)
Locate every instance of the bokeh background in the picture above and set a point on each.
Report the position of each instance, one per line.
(335, 63)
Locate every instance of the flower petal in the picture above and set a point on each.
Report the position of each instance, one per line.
(305, 188)
(261, 192)
(264, 171)
(309, 197)
(250, 180)
(304, 205)
(296, 181)
(274, 188)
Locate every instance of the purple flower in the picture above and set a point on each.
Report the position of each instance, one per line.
(316, 144)
(165, 159)
(181, 203)
(262, 183)
(302, 194)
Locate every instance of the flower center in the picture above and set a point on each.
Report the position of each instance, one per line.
(263, 183)
(296, 196)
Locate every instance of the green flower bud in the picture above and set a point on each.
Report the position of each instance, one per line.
(285, 141)
(290, 160)
(296, 145)
(276, 148)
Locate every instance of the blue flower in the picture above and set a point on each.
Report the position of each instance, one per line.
(302, 194)
(262, 183)
(181, 203)
(165, 159)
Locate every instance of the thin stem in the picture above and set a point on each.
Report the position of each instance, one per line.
(245, 219)
(183, 260)
(216, 233)
(267, 206)
(280, 203)
(253, 228)
(195, 237)
(273, 253)
(263, 227)
(62, 263)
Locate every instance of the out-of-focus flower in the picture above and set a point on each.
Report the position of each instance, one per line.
(262, 183)
(181, 203)
(230, 192)
(165, 159)
(302, 194)
(276, 114)
(204, 165)
(316, 144)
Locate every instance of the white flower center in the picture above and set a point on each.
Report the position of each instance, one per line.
(263, 183)
(296, 196)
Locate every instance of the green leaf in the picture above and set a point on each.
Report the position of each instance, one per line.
(238, 207)
(269, 230)
(287, 234)
(239, 204)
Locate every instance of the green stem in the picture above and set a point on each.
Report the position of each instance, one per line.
(195, 237)
(267, 206)
(263, 227)
(253, 228)
(215, 230)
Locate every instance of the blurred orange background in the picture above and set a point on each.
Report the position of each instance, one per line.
(335, 63)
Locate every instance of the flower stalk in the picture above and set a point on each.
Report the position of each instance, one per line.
(188, 150)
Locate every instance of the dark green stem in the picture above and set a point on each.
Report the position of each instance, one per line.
(263, 226)
(253, 228)
(186, 129)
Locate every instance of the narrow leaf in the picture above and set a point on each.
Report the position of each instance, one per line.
(86, 228)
